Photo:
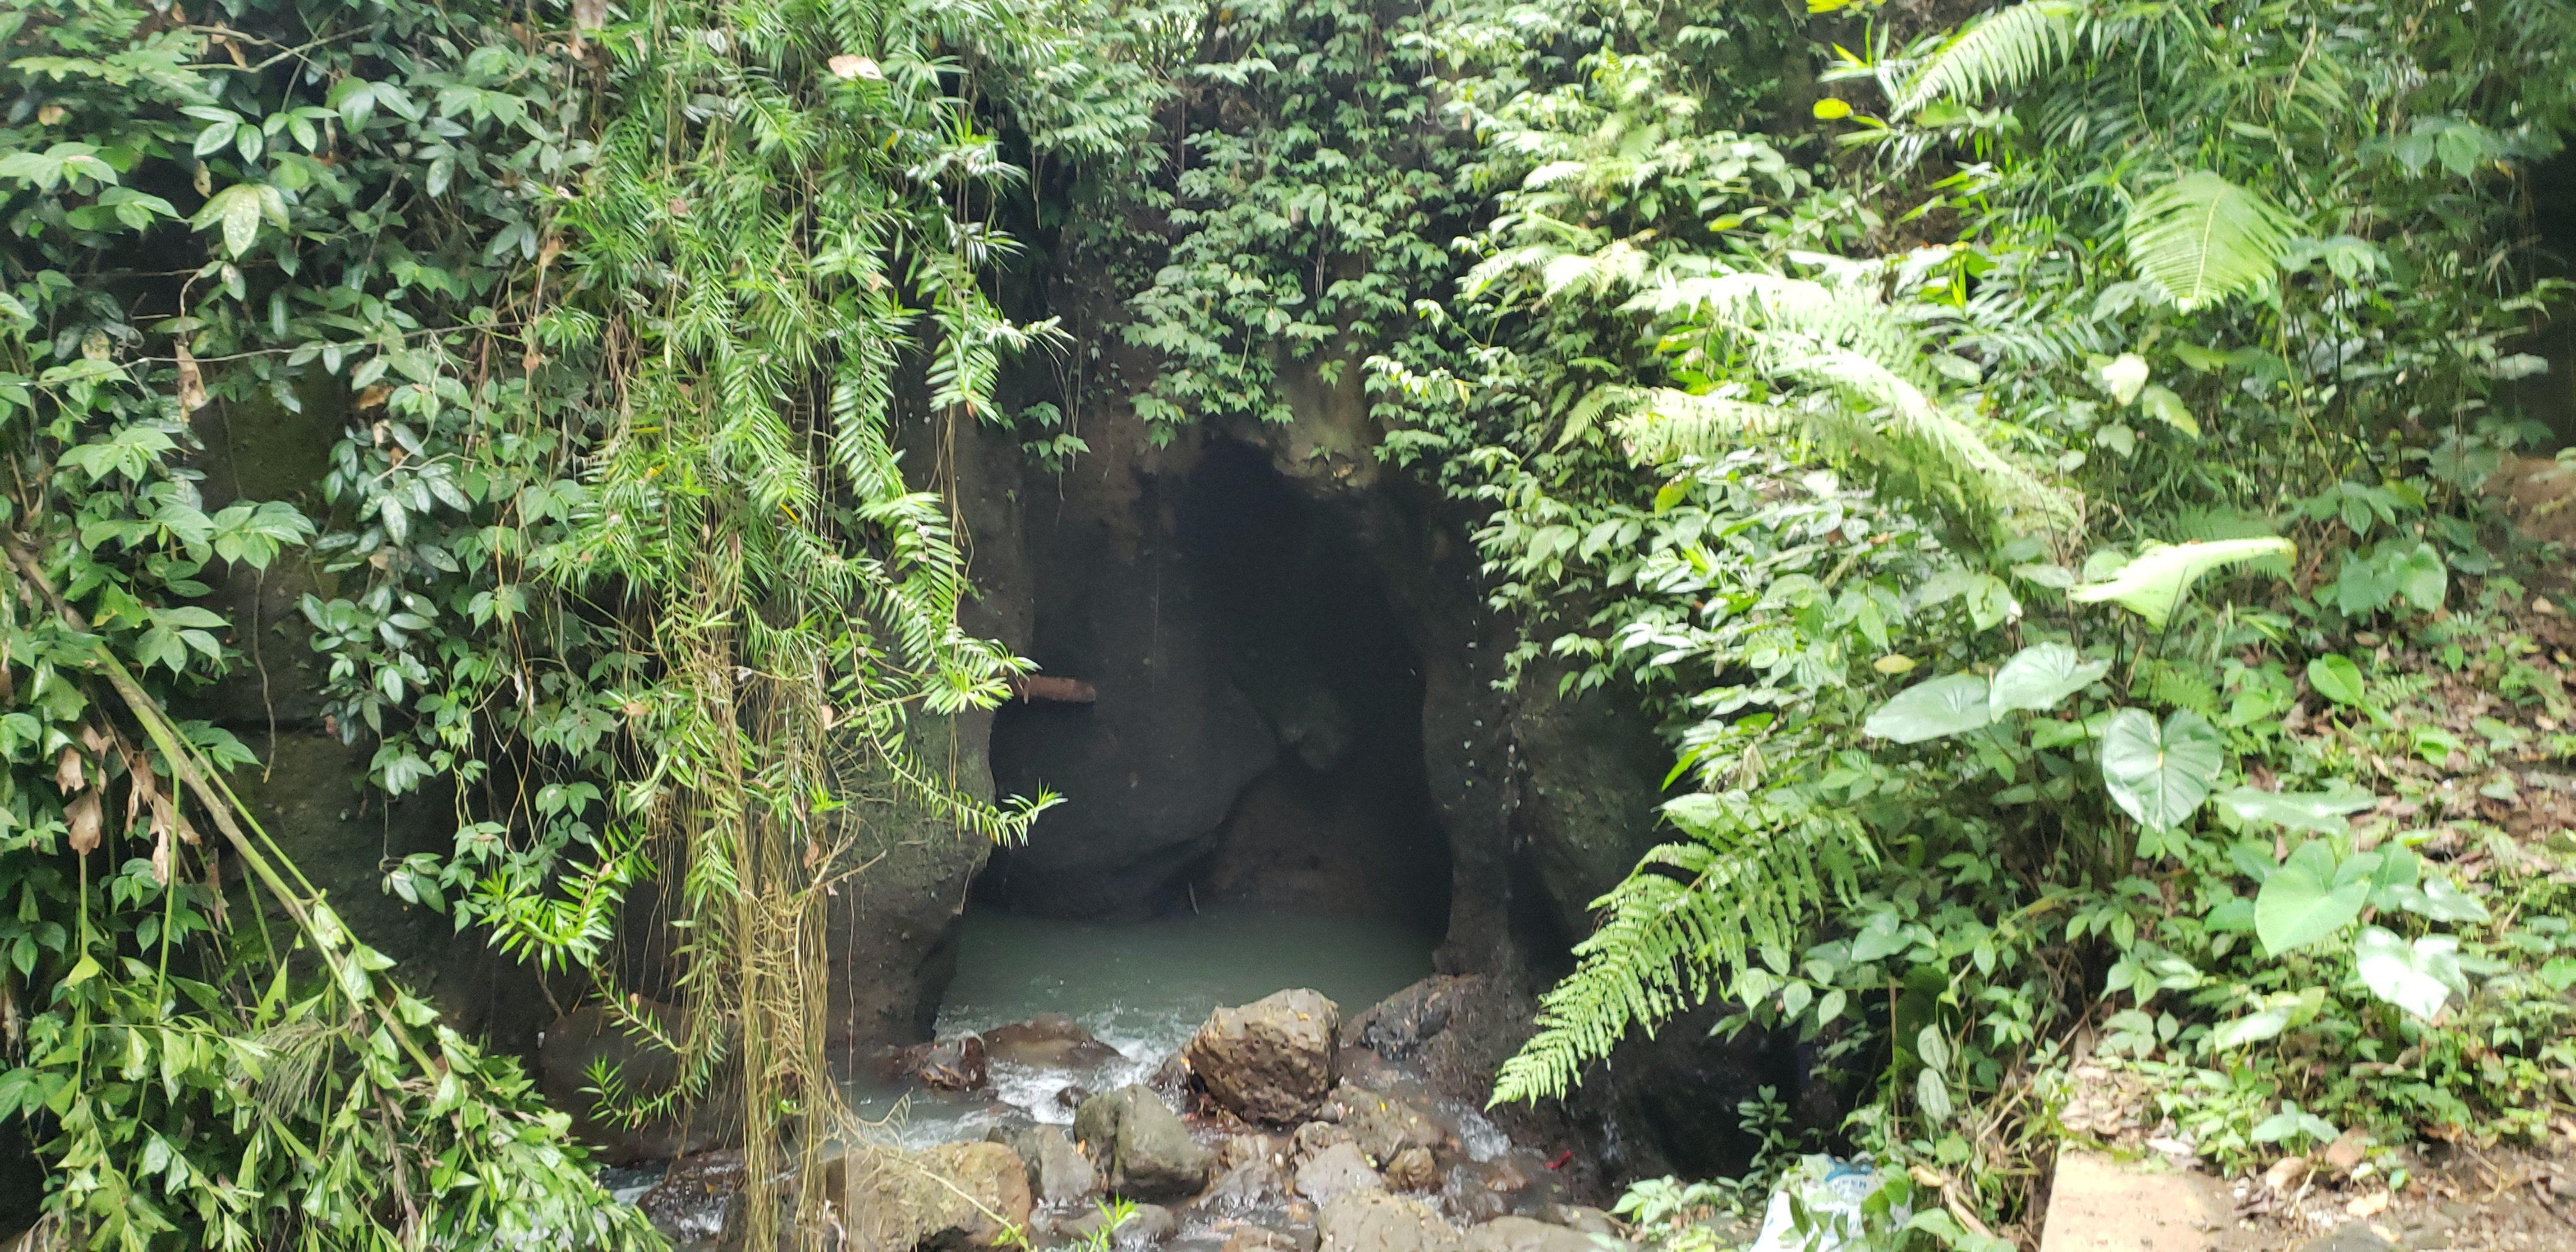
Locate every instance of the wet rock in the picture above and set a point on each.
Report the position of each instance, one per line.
(958, 1064)
(1149, 1225)
(887, 1199)
(1383, 1125)
(644, 1069)
(1058, 1173)
(1048, 1041)
(1261, 1239)
(1271, 1060)
(1523, 1234)
(1374, 1221)
(1314, 1137)
(688, 1204)
(1336, 1170)
(1413, 1169)
(1243, 1149)
(1143, 1149)
(1245, 1186)
(1397, 1026)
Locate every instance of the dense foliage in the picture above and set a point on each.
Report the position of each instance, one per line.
(2031, 468)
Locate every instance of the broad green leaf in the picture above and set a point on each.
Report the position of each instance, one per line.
(2336, 678)
(2039, 676)
(2122, 377)
(2440, 900)
(2160, 775)
(2320, 811)
(2252, 1028)
(2154, 584)
(2163, 405)
(1928, 710)
(2417, 977)
(2306, 899)
(2422, 579)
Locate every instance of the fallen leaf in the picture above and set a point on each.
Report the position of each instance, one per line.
(2347, 1151)
(2369, 1205)
(2286, 1173)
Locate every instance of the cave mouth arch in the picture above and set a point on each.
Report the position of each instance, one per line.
(1255, 741)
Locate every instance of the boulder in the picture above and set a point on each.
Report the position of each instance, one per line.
(1143, 1149)
(1413, 1169)
(957, 1064)
(1400, 1024)
(1271, 1060)
(1048, 1041)
(1261, 1239)
(1314, 1137)
(1374, 1221)
(1245, 1186)
(1336, 1170)
(1059, 1174)
(645, 1069)
(886, 1199)
(1524, 1234)
(688, 1204)
(1384, 1126)
(1150, 1224)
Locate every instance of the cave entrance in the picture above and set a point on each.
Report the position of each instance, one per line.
(1251, 742)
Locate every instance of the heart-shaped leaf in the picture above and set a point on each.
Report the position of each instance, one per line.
(1947, 705)
(2307, 899)
(2160, 775)
(2251, 1028)
(2336, 678)
(2417, 977)
(2322, 812)
(2039, 676)
(2440, 900)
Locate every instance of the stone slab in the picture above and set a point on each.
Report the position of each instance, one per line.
(2099, 1205)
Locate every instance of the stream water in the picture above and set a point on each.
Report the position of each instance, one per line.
(1141, 987)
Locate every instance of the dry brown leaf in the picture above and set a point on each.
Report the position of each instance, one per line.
(161, 859)
(846, 66)
(68, 776)
(2368, 1206)
(192, 385)
(82, 816)
(589, 14)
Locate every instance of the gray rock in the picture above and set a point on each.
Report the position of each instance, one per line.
(1048, 1041)
(2351, 1237)
(1374, 1221)
(1413, 1169)
(1245, 1186)
(644, 1069)
(1523, 1234)
(1384, 1126)
(1271, 1060)
(1260, 1239)
(1151, 1224)
(1143, 1149)
(1336, 1170)
(1059, 1174)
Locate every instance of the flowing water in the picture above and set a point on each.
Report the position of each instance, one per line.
(1141, 987)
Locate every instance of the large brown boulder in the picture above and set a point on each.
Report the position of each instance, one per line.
(1145, 1151)
(888, 1199)
(1374, 1221)
(1271, 1060)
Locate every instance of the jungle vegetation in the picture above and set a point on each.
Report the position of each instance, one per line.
(2031, 459)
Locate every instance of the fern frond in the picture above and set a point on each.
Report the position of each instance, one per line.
(2005, 49)
(2203, 239)
(1684, 922)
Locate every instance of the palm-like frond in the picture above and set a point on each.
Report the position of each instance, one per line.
(2006, 49)
(2203, 239)
(1684, 921)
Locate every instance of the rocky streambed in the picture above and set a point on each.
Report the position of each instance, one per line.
(1277, 1127)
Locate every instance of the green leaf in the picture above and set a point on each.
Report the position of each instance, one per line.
(2422, 579)
(2307, 899)
(1948, 705)
(2041, 675)
(2322, 812)
(2252, 1028)
(2160, 776)
(2440, 900)
(2163, 405)
(2417, 977)
(2202, 239)
(2154, 584)
(2336, 678)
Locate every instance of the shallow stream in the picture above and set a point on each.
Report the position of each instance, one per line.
(1141, 987)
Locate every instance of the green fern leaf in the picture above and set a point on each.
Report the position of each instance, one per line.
(2005, 50)
(2203, 239)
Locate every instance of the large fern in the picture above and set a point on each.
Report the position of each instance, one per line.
(1685, 921)
(2202, 239)
(2005, 49)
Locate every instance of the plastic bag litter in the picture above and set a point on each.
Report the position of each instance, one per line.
(1832, 1191)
